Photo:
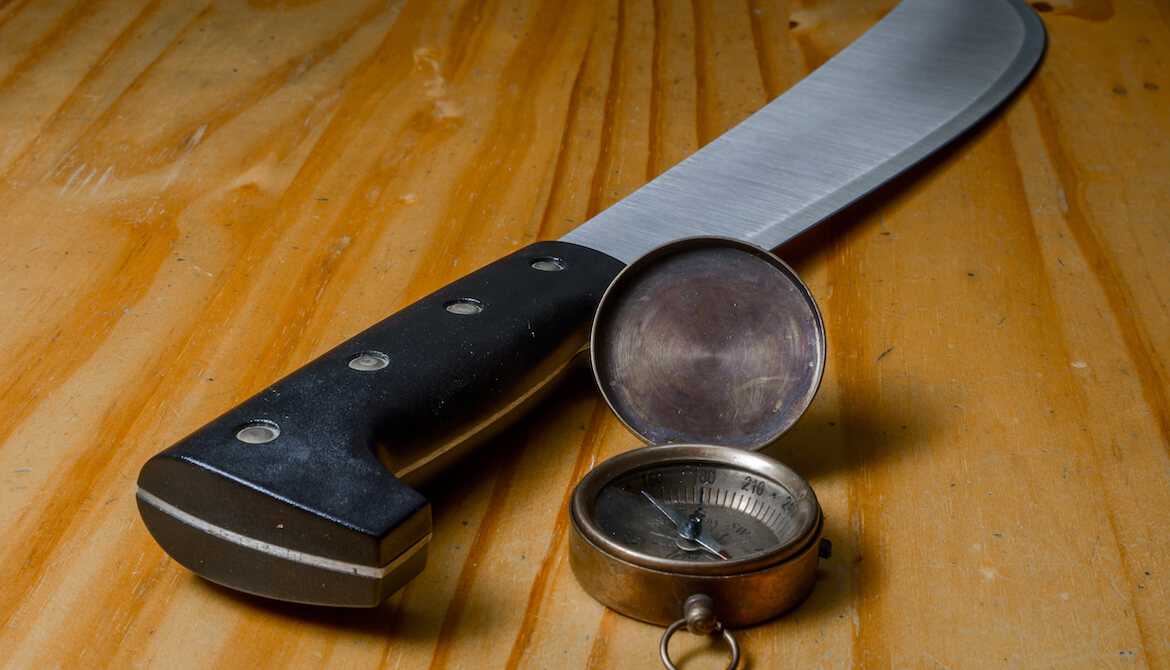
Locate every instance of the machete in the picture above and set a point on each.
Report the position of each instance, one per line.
(303, 492)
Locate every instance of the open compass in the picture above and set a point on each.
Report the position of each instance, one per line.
(710, 348)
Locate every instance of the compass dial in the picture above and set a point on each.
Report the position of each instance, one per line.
(696, 512)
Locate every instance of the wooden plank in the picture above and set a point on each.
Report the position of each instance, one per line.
(200, 197)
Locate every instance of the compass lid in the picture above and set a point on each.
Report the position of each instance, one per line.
(708, 340)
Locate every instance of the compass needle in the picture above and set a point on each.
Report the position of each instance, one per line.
(674, 517)
(690, 528)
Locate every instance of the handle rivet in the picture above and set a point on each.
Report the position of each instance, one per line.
(464, 306)
(549, 264)
(260, 431)
(368, 361)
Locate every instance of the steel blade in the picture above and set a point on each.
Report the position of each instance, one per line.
(924, 74)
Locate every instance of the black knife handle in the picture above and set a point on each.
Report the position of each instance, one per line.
(284, 495)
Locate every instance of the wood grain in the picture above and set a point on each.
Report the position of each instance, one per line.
(199, 197)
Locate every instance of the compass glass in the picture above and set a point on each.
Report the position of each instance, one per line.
(698, 512)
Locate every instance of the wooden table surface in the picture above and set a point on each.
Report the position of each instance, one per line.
(200, 197)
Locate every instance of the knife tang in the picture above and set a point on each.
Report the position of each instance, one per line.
(284, 495)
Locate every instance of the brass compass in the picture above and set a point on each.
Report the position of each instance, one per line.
(711, 348)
